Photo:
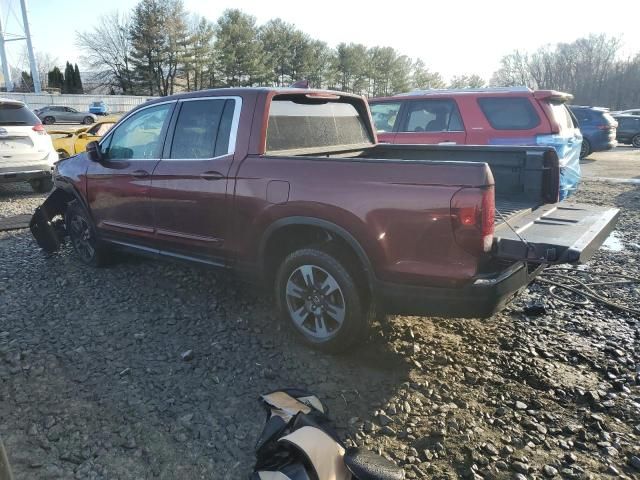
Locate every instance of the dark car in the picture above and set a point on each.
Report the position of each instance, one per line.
(598, 129)
(291, 188)
(628, 131)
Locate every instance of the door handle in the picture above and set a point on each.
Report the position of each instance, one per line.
(140, 173)
(212, 176)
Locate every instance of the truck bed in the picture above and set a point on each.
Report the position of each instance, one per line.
(522, 174)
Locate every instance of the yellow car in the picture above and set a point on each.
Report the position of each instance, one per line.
(68, 143)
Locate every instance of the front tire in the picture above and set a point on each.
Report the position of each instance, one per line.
(585, 149)
(87, 120)
(83, 236)
(41, 185)
(320, 299)
(635, 141)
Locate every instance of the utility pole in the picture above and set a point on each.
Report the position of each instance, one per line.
(32, 58)
(6, 37)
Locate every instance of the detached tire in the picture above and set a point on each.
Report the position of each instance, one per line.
(320, 300)
(83, 236)
(41, 185)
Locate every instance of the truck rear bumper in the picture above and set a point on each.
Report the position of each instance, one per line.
(482, 298)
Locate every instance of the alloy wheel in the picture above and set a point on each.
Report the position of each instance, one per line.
(636, 141)
(81, 237)
(315, 302)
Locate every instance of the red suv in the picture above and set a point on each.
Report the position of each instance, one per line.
(488, 116)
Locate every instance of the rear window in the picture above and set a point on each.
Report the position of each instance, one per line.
(96, 104)
(17, 114)
(509, 113)
(609, 118)
(314, 124)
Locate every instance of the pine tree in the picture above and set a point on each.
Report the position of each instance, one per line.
(68, 84)
(77, 80)
(55, 78)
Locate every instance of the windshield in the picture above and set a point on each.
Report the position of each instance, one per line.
(303, 123)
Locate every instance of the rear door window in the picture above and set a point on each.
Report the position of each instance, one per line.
(436, 115)
(202, 129)
(17, 114)
(385, 115)
(509, 113)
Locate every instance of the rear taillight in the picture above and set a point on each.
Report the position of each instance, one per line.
(473, 218)
(39, 129)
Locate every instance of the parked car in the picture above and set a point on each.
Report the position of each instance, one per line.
(293, 192)
(628, 131)
(58, 114)
(486, 116)
(71, 143)
(633, 111)
(98, 108)
(598, 129)
(26, 151)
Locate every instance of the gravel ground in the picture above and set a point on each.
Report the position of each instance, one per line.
(152, 370)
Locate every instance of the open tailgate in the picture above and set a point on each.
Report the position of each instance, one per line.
(556, 233)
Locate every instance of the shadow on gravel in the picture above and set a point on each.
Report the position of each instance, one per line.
(149, 369)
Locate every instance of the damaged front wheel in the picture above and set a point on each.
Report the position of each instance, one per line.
(83, 236)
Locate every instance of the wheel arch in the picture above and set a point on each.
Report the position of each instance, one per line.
(308, 225)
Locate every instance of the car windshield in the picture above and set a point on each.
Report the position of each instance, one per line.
(16, 114)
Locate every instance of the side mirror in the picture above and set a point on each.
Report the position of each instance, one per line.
(93, 151)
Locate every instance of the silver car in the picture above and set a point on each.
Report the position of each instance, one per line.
(59, 114)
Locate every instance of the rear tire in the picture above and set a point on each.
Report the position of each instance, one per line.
(320, 300)
(635, 141)
(41, 185)
(82, 234)
(49, 120)
(585, 149)
(87, 120)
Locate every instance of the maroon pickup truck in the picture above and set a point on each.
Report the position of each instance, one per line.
(290, 188)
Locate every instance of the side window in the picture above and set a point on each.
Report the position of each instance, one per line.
(203, 129)
(509, 113)
(385, 115)
(437, 115)
(139, 136)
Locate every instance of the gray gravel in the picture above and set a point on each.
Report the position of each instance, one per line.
(152, 370)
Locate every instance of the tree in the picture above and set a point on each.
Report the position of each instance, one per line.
(77, 87)
(589, 68)
(198, 54)
(424, 79)
(69, 83)
(55, 78)
(350, 64)
(107, 51)
(240, 53)
(157, 32)
(467, 81)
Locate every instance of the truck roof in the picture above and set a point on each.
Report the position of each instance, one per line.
(239, 91)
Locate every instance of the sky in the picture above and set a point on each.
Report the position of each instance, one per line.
(453, 37)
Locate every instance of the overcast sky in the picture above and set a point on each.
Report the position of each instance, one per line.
(452, 37)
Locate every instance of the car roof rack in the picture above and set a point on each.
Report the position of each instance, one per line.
(467, 90)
